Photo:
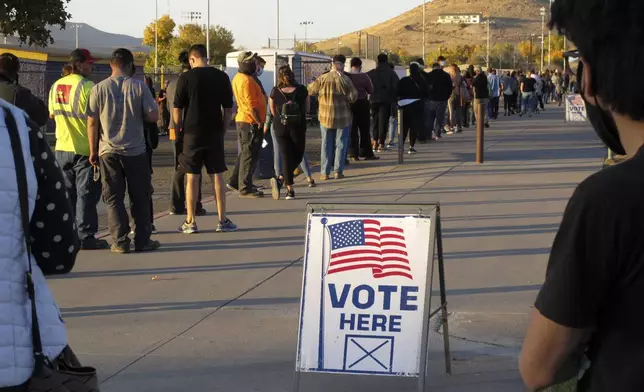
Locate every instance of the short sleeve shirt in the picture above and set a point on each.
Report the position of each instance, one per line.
(595, 275)
(120, 104)
(68, 102)
(203, 93)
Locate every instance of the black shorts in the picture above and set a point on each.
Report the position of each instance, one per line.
(212, 157)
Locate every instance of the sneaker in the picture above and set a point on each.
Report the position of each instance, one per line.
(226, 226)
(311, 182)
(436, 138)
(150, 246)
(275, 188)
(354, 159)
(459, 130)
(189, 228)
(254, 194)
(201, 212)
(372, 158)
(487, 125)
(412, 151)
(324, 177)
(391, 145)
(381, 149)
(120, 248)
(339, 176)
(447, 128)
(91, 243)
(232, 188)
(290, 195)
(153, 229)
(450, 132)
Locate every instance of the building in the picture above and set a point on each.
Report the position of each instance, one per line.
(41, 67)
(460, 18)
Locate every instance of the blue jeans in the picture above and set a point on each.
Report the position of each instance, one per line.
(435, 116)
(277, 160)
(335, 143)
(528, 100)
(84, 192)
(393, 127)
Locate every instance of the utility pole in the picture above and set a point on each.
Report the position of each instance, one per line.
(278, 24)
(359, 43)
(424, 30)
(543, 25)
(530, 58)
(306, 24)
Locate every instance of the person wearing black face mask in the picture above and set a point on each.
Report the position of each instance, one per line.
(587, 313)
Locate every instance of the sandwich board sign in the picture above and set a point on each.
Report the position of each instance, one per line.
(366, 294)
(575, 108)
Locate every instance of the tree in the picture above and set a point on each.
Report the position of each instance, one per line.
(31, 20)
(166, 26)
(345, 50)
(221, 41)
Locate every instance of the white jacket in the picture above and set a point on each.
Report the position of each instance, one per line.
(16, 354)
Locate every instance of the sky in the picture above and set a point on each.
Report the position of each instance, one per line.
(251, 21)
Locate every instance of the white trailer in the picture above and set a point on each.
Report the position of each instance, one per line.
(306, 66)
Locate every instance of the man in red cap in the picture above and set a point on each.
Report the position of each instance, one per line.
(68, 100)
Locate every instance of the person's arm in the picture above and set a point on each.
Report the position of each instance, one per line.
(253, 91)
(54, 240)
(271, 103)
(180, 100)
(314, 88)
(150, 106)
(33, 106)
(368, 84)
(522, 87)
(93, 121)
(582, 271)
(349, 89)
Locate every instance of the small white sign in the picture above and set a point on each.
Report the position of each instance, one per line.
(364, 294)
(575, 108)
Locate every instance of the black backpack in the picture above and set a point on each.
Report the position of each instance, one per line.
(291, 114)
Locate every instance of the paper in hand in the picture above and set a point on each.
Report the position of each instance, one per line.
(264, 143)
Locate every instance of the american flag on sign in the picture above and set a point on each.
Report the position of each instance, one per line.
(364, 243)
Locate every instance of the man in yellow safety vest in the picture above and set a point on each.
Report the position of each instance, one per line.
(68, 100)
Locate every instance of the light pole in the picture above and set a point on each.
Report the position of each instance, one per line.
(487, 60)
(156, 36)
(75, 26)
(278, 24)
(531, 57)
(543, 25)
(550, 37)
(306, 24)
(424, 30)
(208, 32)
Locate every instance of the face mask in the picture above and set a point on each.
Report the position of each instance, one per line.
(260, 71)
(602, 122)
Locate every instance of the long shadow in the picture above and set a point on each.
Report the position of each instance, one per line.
(481, 254)
(492, 202)
(500, 217)
(109, 310)
(176, 270)
(522, 170)
(496, 231)
(490, 290)
(217, 246)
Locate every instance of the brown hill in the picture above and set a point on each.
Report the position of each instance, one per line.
(512, 21)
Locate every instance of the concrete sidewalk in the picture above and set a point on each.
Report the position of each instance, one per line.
(219, 312)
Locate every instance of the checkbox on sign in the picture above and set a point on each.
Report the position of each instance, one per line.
(368, 354)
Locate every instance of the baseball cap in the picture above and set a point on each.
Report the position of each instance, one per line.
(246, 57)
(82, 56)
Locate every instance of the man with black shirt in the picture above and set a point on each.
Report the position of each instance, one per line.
(481, 95)
(440, 90)
(385, 84)
(528, 89)
(178, 183)
(204, 95)
(590, 302)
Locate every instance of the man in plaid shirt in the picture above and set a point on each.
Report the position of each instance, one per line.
(335, 93)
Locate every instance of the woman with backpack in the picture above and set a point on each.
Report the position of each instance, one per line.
(289, 102)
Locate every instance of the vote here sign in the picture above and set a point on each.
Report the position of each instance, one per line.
(364, 294)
